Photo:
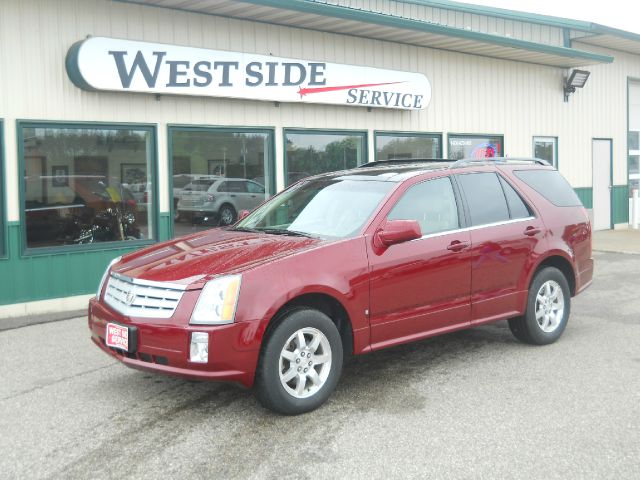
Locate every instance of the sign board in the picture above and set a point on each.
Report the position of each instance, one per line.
(115, 65)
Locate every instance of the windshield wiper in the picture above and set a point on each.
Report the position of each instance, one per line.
(245, 229)
(283, 231)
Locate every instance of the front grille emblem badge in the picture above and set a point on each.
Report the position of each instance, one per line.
(131, 297)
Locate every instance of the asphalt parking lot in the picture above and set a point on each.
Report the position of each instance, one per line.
(473, 404)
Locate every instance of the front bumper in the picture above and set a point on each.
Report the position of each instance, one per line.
(163, 347)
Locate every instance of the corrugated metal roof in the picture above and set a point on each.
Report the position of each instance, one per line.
(343, 20)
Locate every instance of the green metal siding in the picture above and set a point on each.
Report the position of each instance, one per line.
(585, 194)
(620, 204)
(26, 279)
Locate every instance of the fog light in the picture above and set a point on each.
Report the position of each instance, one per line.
(199, 351)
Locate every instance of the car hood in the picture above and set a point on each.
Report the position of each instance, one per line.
(194, 259)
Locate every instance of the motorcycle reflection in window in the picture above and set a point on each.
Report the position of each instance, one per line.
(106, 213)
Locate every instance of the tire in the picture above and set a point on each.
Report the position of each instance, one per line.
(548, 309)
(289, 388)
(227, 215)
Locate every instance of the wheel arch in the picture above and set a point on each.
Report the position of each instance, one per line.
(562, 263)
(325, 303)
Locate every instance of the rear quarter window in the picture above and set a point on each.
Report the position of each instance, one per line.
(551, 185)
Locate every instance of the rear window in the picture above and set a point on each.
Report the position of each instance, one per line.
(551, 185)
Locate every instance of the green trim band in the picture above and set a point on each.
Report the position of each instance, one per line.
(353, 14)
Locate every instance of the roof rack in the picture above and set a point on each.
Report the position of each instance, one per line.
(404, 161)
(501, 160)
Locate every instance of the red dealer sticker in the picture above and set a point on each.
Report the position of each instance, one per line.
(117, 336)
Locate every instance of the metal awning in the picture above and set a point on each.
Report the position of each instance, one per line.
(611, 38)
(350, 21)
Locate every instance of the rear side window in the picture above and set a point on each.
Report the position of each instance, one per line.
(486, 200)
(551, 185)
(432, 204)
(517, 207)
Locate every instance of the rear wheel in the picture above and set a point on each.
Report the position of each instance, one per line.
(227, 214)
(548, 308)
(300, 364)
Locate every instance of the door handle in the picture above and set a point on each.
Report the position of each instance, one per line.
(531, 231)
(232, 196)
(457, 245)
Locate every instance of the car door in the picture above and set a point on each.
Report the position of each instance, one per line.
(237, 193)
(505, 236)
(256, 194)
(422, 286)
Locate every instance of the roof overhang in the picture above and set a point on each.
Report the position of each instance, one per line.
(611, 38)
(361, 23)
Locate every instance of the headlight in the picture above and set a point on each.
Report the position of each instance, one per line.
(217, 302)
(104, 275)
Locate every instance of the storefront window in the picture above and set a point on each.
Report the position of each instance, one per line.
(395, 146)
(86, 184)
(217, 173)
(546, 148)
(475, 146)
(314, 152)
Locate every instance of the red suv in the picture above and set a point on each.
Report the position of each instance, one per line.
(347, 263)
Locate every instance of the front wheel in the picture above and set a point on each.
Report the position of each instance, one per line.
(300, 364)
(548, 307)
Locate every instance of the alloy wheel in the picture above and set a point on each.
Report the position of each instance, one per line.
(305, 362)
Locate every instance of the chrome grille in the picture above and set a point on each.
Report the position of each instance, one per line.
(142, 298)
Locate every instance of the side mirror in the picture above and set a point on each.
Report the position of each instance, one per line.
(397, 231)
(243, 214)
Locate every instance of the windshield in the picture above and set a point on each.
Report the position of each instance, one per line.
(325, 208)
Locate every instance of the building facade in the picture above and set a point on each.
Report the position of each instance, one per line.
(125, 123)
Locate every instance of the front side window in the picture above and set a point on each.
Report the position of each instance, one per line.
(475, 146)
(325, 208)
(86, 184)
(313, 152)
(212, 169)
(397, 146)
(546, 148)
(432, 204)
(485, 198)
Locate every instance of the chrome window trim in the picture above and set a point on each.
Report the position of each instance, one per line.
(475, 227)
(149, 283)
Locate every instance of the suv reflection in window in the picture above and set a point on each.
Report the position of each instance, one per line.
(218, 199)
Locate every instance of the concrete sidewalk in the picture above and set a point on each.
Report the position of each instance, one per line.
(617, 241)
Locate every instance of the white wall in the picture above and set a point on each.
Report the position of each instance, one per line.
(471, 94)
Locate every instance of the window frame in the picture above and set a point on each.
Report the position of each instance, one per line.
(393, 133)
(3, 198)
(322, 131)
(556, 163)
(27, 251)
(177, 127)
(474, 135)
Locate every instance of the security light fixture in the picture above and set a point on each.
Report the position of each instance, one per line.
(577, 79)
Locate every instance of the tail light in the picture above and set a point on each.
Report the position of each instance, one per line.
(146, 197)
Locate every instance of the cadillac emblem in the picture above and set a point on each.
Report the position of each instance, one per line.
(131, 297)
